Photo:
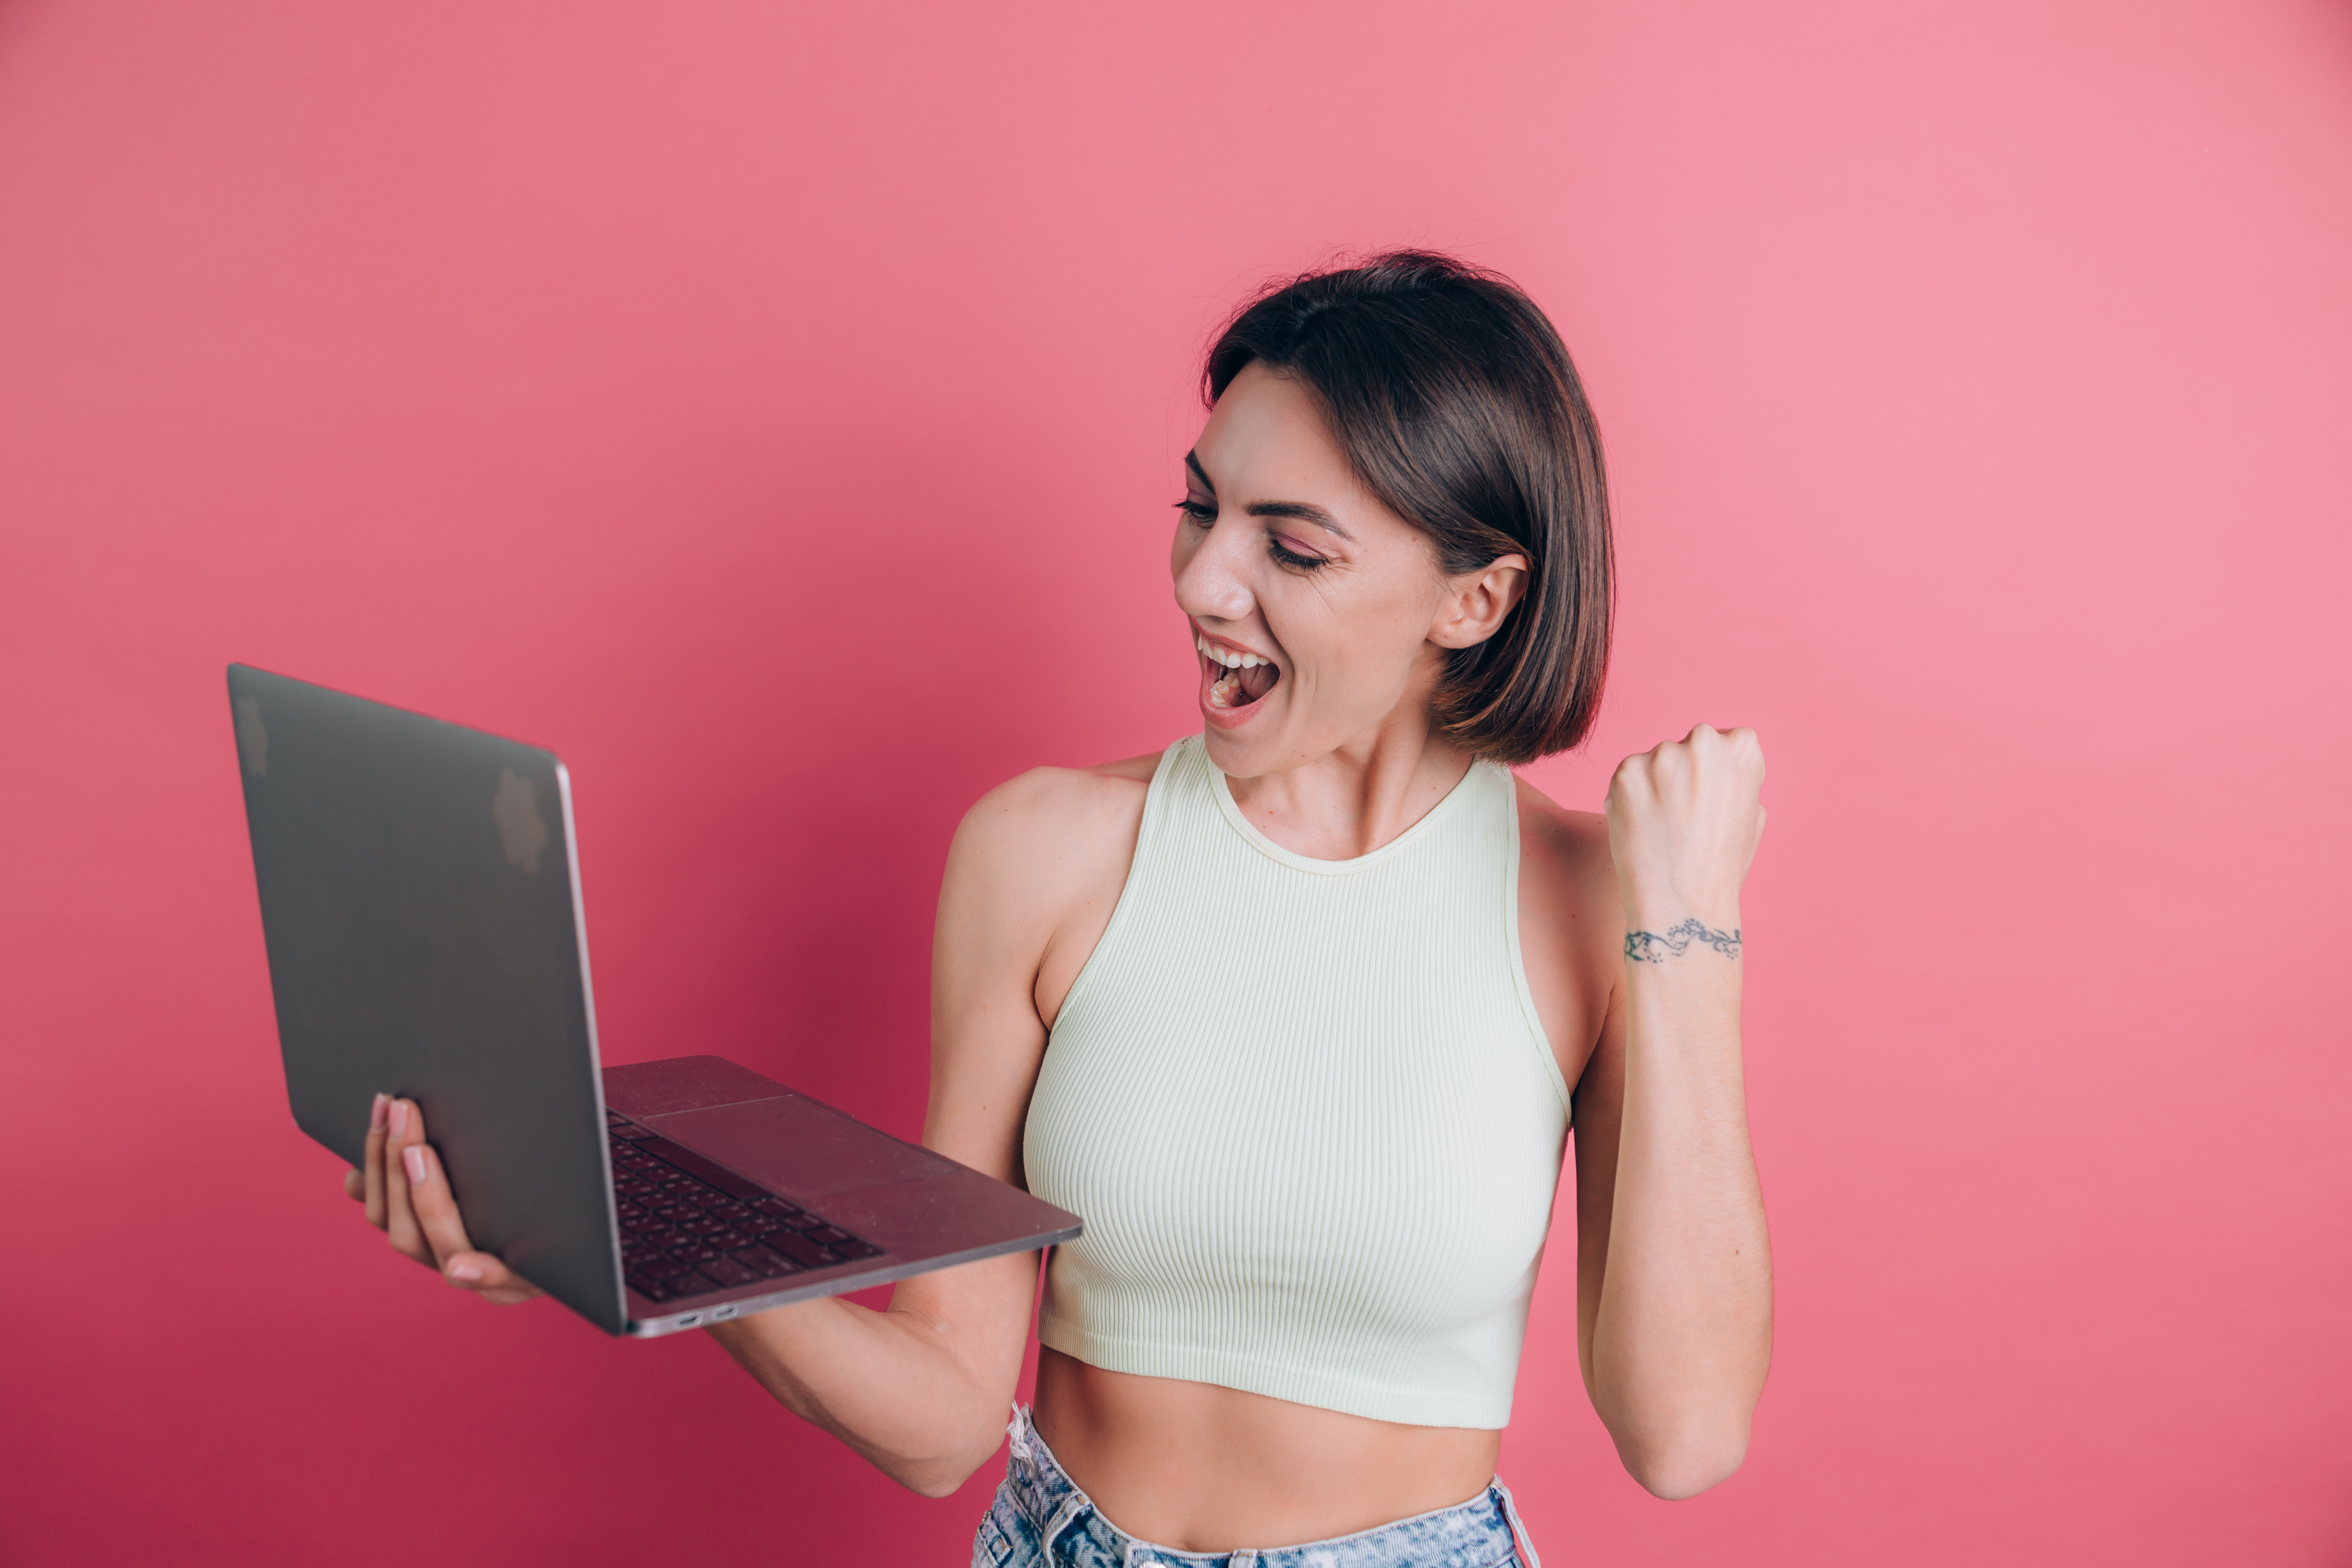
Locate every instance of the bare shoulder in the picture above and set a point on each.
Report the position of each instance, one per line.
(1567, 852)
(1048, 842)
(1052, 815)
(1572, 924)
(1033, 876)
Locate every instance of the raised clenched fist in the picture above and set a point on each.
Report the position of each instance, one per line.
(1684, 823)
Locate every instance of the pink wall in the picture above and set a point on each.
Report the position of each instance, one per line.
(775, 409)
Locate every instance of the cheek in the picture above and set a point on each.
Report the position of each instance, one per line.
(1364, 634)
(1333, 651)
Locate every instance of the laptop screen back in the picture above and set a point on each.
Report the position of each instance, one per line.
(419, 901)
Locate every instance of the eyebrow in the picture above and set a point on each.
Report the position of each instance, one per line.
(1300, 512)
(1295, 510)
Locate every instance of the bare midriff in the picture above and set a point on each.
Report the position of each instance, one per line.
(1202, 1469)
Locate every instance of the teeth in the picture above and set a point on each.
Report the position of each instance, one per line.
(1226, 656)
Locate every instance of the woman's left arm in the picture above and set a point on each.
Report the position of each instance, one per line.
(1674, 1264)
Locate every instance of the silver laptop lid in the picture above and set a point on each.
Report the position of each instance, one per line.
(420, 901)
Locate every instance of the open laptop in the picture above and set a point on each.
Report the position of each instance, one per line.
(420, 898)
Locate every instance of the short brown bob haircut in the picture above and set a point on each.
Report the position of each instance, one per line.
(1459, 409)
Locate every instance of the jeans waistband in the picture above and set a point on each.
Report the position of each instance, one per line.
(1479, 1533)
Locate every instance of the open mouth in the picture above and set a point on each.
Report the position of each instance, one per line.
(1237, 680)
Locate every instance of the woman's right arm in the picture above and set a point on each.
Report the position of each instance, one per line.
(921, 1388)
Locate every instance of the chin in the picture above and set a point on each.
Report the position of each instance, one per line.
(1250, 752)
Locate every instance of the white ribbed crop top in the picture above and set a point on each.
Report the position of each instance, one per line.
(1307, 1112)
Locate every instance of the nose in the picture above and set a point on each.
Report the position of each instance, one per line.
(1212, 581)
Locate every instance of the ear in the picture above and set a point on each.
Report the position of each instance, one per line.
(1476, 601)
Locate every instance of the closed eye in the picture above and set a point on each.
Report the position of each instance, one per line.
(1203, 514)
(1290, 557)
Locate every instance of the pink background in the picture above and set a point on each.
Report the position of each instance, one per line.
(775, 410)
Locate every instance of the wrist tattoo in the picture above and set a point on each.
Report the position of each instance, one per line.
(1649, 947)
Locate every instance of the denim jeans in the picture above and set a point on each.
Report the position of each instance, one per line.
(1041, 1519)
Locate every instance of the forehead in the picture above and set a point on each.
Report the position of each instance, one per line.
(1266, 437)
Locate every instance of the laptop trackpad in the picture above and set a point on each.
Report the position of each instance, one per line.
(797, 1147)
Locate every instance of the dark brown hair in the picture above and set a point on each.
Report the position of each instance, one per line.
(1459, 409)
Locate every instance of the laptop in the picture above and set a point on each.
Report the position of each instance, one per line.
(420, 901)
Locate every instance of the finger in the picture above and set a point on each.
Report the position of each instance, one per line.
(371, 1174)
(355, 1185)
(403, 1132)
(487, 1277)
(436, 1208)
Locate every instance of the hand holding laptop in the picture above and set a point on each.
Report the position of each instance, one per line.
(420, 903)
(408, 1199)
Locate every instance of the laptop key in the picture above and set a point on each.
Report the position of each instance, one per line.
(647, 1287)
(805, 1253)
(767, 1265)
(694, 1165)
(728, 1240)
(855, 1248)
(776, 1206)
(726, 1270)
(826, 1234)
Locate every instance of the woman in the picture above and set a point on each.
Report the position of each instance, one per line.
(1289, 1011)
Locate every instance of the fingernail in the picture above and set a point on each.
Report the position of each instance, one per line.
(398, 1117)
(375, 1113)
(413, 1158)
(463, 1271)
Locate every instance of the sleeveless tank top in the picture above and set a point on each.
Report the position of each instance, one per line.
(1305, 1111)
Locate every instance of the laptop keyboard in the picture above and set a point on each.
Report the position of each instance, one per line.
(690, 1226)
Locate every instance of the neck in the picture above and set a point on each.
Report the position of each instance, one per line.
(1362, 794)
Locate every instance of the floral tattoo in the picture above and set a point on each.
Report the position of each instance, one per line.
(1649, 947)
